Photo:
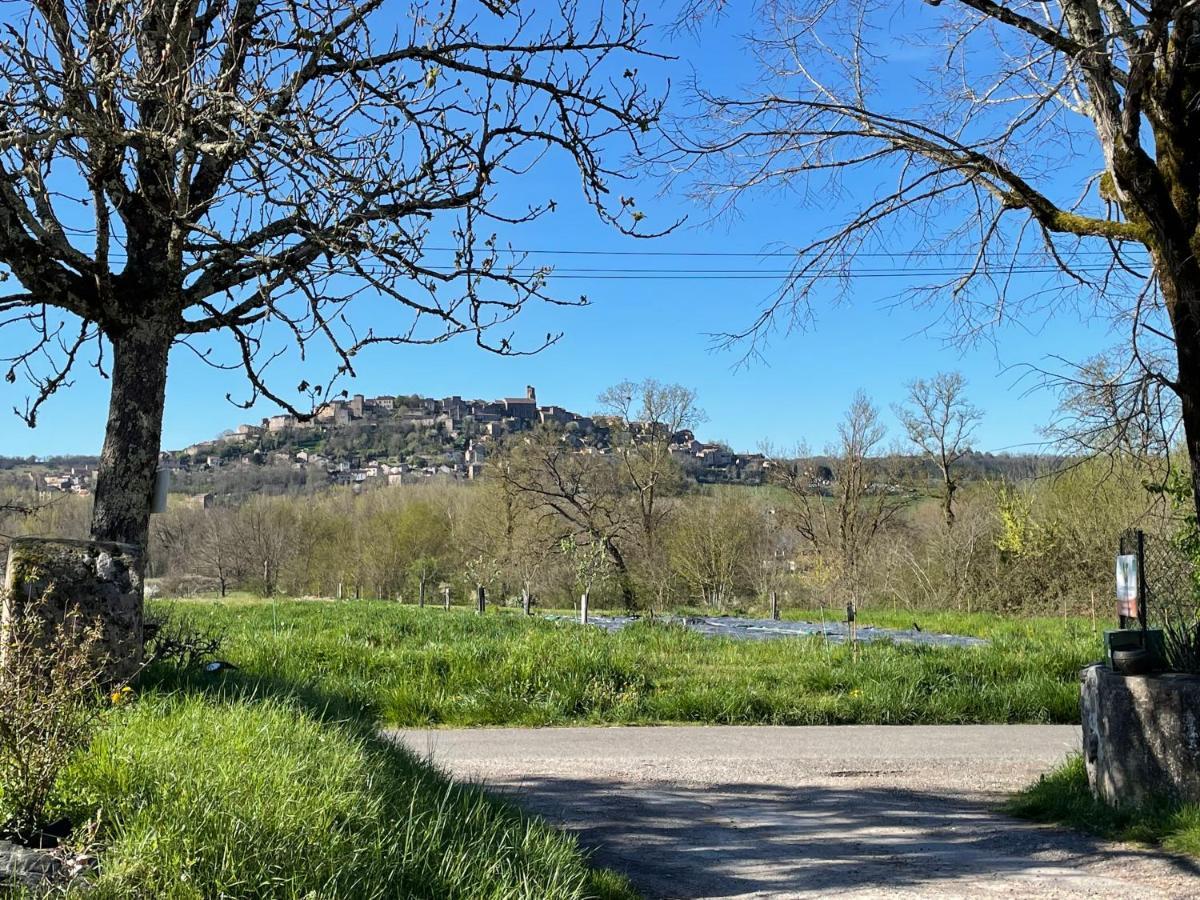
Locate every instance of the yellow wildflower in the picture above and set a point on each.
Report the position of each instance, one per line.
(121, 697)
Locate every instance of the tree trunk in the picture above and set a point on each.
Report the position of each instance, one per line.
(132, 437)
(1185, 316)
(628, 598)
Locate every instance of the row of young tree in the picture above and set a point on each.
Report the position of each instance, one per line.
(550, 522)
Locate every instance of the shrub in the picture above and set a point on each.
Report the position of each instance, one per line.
(176, 641)
(50, 690)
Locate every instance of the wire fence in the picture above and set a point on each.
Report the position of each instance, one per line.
(1168, 596)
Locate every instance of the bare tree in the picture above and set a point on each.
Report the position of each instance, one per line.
(266, 533)
(842, 518)
(215, 548)
(1109, 406)
(643, 419)
(184, 173)
(1057, 139)
(577, 495)
(717, 548)
(941, 421)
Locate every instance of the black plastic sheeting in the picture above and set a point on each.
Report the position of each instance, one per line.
(769, 629)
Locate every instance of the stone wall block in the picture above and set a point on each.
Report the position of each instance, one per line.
(1141, 736)
(90, 580)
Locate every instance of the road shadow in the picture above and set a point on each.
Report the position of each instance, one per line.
(691, 841)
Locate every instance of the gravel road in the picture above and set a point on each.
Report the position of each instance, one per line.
(851, 811)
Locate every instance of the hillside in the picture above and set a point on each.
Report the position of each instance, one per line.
(397, 439)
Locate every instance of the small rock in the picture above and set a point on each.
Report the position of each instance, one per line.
(21, 865)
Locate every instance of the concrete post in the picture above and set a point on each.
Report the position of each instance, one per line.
(583, 608)
(92, 581)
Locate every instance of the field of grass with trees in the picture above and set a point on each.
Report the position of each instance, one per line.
(889, 525)
(229, 178)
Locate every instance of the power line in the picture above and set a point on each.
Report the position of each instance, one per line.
(624, 274)
(749, 254)
(790, 254)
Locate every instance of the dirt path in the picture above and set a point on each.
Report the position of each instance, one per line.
(858, 811)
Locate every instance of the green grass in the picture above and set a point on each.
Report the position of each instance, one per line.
(254, 784)
(271, 781)
(1063, 798)
(428, 667)
(220, 796)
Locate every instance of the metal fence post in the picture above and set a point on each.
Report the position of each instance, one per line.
(1143, 596)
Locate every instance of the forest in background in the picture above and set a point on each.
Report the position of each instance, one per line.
(1040, 544)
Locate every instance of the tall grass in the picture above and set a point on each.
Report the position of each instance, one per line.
(217, 796)
(414, 667)
(1063, 797)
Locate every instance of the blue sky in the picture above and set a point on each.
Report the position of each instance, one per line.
(638, 328)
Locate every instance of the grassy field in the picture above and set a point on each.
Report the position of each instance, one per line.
(268, 783)
(271, 780)
(404, 666)
(227, 796)
(1063, 798)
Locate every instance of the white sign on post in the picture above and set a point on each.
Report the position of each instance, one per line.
(1127, 585)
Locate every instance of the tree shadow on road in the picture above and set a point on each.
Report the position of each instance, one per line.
(690, 841)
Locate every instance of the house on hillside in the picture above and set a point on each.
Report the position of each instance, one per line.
(714, 456)
(524, 408)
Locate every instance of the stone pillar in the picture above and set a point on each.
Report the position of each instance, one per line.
(93, 580)
(1141, 736)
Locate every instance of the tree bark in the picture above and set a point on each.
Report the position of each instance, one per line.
(628, 598)
(1183, 298)
(132, 437)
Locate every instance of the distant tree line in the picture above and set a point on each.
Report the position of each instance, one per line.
(864, 521)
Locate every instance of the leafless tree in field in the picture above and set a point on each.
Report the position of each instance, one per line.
(984, 153)
(940, 420)
(1109, 406)
(841, 520)
(643, 418)
(262, 174)
(577, 496)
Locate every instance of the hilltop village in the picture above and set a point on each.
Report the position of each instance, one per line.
(397, 439)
